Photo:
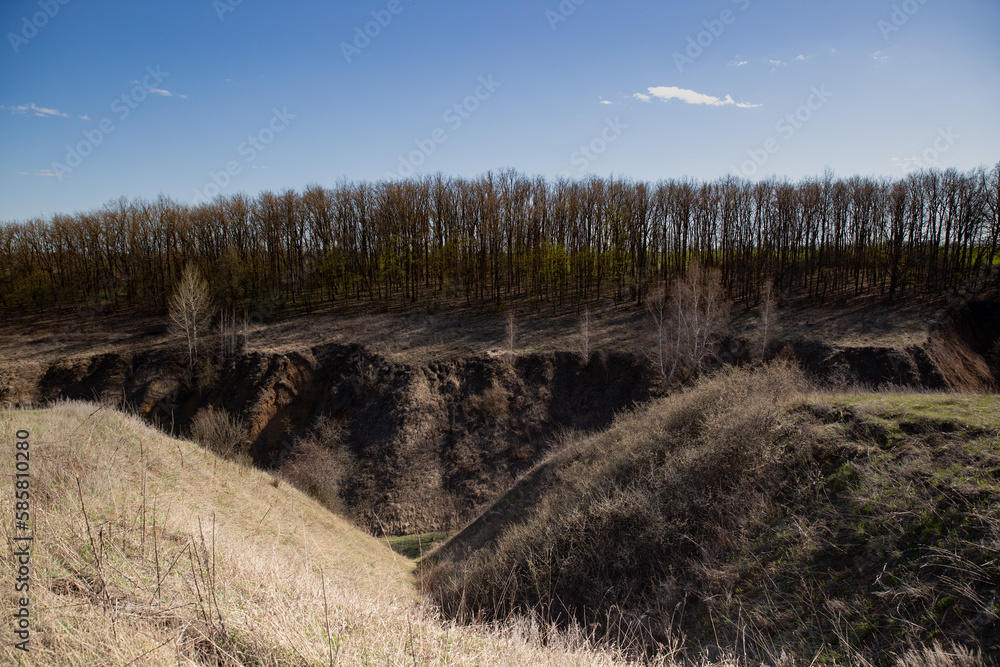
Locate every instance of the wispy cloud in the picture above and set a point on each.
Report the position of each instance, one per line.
(667, 93)
(162, 92)
(166, 93)
(642, 97)
(47, 173)
(879, 56)
(41, 112)
(604, 101)
(737, 63)
(802, 57)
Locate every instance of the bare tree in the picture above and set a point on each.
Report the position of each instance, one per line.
(767, 318)
(688, 319)
(511, 337)
(586, 334)
(191, 309)
(707, 316)
(664, 354)
(228, 339)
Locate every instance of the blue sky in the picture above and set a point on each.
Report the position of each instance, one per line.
(193, 97)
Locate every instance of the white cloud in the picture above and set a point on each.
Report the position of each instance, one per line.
(642, 98)
(879, 56)
(801, 57)
(737, 63)
(667, 93)
(84, 117)
(41, 112)
(166, 93)
(160, 91)
(604, 101)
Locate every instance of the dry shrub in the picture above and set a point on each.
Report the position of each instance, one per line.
(222, 433)
(207, 375)
(491, 405)
(320, 463)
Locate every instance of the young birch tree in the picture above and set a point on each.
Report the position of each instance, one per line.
(688, 319)
(191, 309)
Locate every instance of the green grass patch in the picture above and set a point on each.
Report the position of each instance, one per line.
(415, 547)
(966, 411)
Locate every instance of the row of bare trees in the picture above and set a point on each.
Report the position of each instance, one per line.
(506, 236)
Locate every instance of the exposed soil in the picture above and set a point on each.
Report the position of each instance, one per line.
(437, 437)
(434, 443)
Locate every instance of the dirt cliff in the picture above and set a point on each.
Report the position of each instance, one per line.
(435, 442)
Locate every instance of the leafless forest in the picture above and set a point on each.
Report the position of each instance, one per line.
(505, 236)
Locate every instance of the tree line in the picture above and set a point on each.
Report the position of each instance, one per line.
(505, 236)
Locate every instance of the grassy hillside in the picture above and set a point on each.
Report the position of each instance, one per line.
(151, 551)
(748, 514)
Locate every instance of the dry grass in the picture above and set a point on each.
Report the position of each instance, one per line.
(657, 489)
(154, 551)
(752, 514)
